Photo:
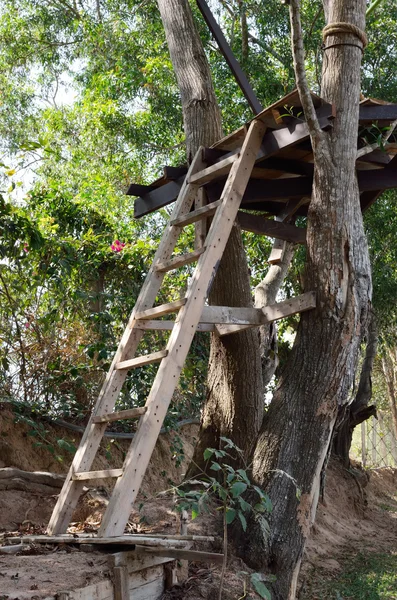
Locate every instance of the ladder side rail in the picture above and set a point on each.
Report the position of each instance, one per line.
(114, 380)
(138, 456)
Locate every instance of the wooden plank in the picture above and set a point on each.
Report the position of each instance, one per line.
(103, 590)
(196, 215)
(231, 314)
(135, 562)
(122, 540)
(214, 171)
(179, 261)
(168, 325)
(140, 361)
(261, 226)
(84, 476)
(121, 583)
(159, 311)
(70, 493)
(138, 456)
(131, 413)
(200, 226)
(275, 256)
(152, 590)
(196, 555)
(280, 310)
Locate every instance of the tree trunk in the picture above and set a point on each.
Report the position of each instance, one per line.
(266, 293)
(233, 406)
(359, 410)
(297, 429)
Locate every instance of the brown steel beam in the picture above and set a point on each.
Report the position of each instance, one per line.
(261, 226)
(224, 47)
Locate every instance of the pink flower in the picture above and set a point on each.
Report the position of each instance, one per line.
(117, 246)
(26, 247)
(27, 325)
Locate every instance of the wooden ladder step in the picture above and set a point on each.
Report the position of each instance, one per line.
(85, 475)
(220, 168)
(131, 413)
(140, 361)
(154, 325)
(195, 215)
(179, 261)
(159, 311)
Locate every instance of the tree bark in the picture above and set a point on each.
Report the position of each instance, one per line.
(266, 293)
(233, 406)
(359, 410)
(297, 429)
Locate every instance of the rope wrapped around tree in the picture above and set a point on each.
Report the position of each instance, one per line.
(344, 28)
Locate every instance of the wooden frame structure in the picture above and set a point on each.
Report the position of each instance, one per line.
(266, 167)
(281, 183)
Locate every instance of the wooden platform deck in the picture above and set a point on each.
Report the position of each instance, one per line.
(283, 172)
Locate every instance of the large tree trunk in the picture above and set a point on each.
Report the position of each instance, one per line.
(297, 429)
(359, 410)
(233, 406)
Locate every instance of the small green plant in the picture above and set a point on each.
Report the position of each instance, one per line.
(233, 493)
(40, 433)
(177, 450)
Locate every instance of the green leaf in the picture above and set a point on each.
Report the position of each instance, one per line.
(195, 511)
(238, 488)
(243, 476)
(260, 587)
(215, 467)
(230, 515)
(208, 452)
(245, 506)
(243, 520)
(222, 493)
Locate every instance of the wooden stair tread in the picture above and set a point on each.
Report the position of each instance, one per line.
(179, 261)
(159, 311)
(195, 215)
(146, 359)
(131, 413)
(217, 170)
(86, 475)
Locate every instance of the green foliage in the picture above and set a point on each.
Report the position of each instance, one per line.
(231, 492)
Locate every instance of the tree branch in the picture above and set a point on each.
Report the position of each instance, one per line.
(298, 54)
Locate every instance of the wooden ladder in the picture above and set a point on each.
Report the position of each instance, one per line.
(189, 311)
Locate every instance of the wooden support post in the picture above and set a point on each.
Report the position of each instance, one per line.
(200, 226)
(121, 587)
(363, 444)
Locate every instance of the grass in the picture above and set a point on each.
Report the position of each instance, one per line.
(368, 576)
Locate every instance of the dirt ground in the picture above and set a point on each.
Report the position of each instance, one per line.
(359, 511)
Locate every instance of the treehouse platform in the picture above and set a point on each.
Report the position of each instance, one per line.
(281, 182)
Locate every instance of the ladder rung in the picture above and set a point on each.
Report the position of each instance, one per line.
(168, 325)
(179, 261)
(147, 359)
(84, 475)
(131, 413)
(217, 170)
(196, 215)
(159, 311)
